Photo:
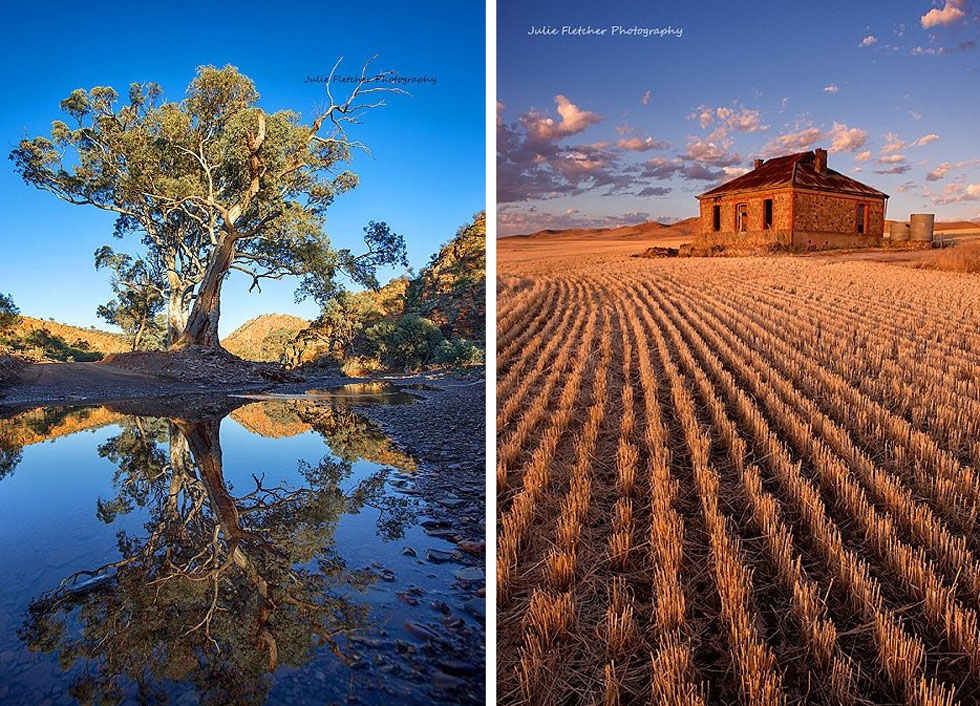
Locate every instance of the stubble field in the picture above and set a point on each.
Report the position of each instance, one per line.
(736, 481)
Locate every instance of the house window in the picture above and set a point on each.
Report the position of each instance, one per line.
(741, 217)
(716, 219)
(767, 214)
(862, 218)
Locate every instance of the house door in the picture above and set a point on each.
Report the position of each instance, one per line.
(741, 217)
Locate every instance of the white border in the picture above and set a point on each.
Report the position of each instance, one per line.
(491, 353)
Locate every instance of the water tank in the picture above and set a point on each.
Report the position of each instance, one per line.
(921, 226)
(898, 231)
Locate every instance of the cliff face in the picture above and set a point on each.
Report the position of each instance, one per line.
(451, 290)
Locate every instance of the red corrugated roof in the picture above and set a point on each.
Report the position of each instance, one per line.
(794, 170)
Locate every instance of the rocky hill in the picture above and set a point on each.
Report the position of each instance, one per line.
(264, 338)
(439, 314)
(451, 290)
(48, 340)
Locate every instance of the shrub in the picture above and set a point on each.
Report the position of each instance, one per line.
(459, 351)
(410, 344)
(9, 314)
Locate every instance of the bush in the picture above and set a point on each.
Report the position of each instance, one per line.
(9, 314)
(459, 351)
(410, 344)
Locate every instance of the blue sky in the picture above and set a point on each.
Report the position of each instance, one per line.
(604, 129)
(425, 177)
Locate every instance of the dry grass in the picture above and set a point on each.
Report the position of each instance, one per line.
(963, 257)
(737, 481)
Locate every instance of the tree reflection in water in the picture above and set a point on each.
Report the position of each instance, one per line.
(219, 589)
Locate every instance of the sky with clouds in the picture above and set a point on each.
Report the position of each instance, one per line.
(613, 113)
(425, 174)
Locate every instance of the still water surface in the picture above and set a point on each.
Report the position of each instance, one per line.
(226, 551)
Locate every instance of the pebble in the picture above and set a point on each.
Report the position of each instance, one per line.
(408, 551)
(421, 631)
(434, 524)
(405, 598)
(458, 667)
(470, 574)
(437, 556)
(477, 607)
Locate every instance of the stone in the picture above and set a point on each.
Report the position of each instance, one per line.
(472, 547)
(471, 574)
(437, 556)
(477, 607)
(421, 631)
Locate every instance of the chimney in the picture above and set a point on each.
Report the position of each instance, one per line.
(758, 163)
(820, 161)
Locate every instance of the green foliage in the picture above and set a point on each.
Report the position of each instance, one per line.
(9, 314)
(56, 347)
(139, 297)
(213, 183)
(411, 343)
(345, 318)
(459, 351)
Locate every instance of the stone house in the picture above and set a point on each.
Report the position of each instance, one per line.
(796, 202)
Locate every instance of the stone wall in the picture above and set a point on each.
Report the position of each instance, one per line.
(820, 240)
(836, 213)
(781, 213)
(803, 220)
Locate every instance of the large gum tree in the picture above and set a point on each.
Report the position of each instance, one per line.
(214, 183)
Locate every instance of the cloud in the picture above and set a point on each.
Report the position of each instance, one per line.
(939, 172)
(533, 164)
(893, 143)
(868, 41)
(798, 141)
(654, 191)
(636, 144)
(832, 88)
(530, 220)
(846, 139)
(500, 110)
(862, 156)
(953, 193)
(967, 45)
(572, 120)
(891, 159)
(735, 119)
(624, 129)
(645, 100)
(897, 169)
(735, 171)
(665, 168)
(951, 12)
(707, 152)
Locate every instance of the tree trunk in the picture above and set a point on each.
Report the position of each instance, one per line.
(139, 334)
(177, 313)
(202, 325)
